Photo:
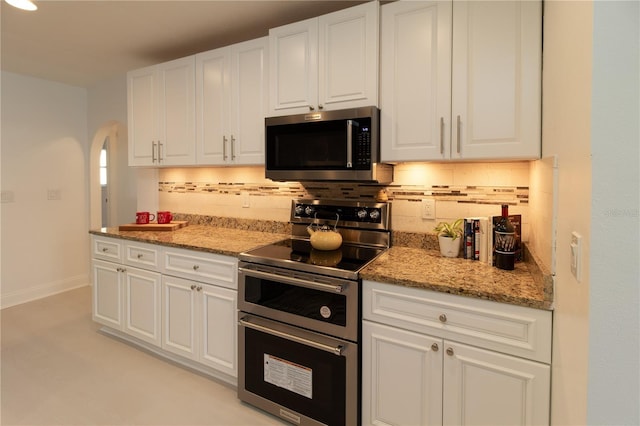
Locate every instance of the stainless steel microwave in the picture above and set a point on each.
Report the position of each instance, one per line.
(341, 145)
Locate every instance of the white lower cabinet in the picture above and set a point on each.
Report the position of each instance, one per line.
(410, 377)
(107, 293)
(125, 296)
(200, 323)
(192, 315)
(142, 305)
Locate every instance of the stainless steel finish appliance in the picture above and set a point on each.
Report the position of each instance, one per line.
(341, 145)
(299, 320)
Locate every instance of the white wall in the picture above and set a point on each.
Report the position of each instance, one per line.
(566, 112)
(107, 106)
(614, 308)
(590, 121)
(45, 244)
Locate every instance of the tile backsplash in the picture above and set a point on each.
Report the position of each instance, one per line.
(459, 190)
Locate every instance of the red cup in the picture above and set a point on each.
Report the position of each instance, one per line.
(165, 217)
(144, 217)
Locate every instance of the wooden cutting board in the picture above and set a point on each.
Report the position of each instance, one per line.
(154, 226)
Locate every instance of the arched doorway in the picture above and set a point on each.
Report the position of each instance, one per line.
(112, 196)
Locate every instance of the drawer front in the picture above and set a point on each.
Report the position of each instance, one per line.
(205, 267)
(145, 256)
(511, 329)
(106, 249)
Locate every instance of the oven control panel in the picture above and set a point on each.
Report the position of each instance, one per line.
(343, 213)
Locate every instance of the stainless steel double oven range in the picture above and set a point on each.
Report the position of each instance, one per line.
(299, 320)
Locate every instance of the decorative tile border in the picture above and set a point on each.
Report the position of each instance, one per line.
(516, 195)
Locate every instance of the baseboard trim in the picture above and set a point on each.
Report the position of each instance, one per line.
(193, 366)
(30, 294)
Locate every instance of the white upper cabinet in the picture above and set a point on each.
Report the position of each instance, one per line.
(161, 114)
(460, 80)
(415, 80)
(496, 97)
(330, 62)
(231, 103)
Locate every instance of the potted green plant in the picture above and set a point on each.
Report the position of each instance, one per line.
(449, 237)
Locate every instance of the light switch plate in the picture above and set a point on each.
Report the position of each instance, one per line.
(576, 255)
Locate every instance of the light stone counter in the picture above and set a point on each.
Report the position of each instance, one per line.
(526, 285)
(225, 241)
(413, 261)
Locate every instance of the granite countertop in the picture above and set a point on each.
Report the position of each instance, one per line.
(413, 261)
(219, 240)
(427, 269)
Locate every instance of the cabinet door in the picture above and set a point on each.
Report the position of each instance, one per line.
(496, 79)
(179, 323)
(484, 387)
(293, 68)
(348, 57)
(415, 80)
(176, 132)
(107, 294)
(142, 113)
(213, 100)
(249, 101)
(218, 328)
(142, 305)
(401, 377)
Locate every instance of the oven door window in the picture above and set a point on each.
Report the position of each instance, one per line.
(304, 379)
(305, 302)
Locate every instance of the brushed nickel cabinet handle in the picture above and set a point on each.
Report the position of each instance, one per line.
(442, 318)
(224, 148)
(233, 148)
(450, 351)
(153, 151)
(140, 256)
(105, 249)
(311, 108)
(160, 145)
(435, 347)
(196, 267)
(458, 131)
(441, 135)
(193, 286)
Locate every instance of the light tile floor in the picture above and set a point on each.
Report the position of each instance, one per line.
(57, 369)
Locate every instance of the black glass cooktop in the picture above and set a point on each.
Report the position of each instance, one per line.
(298, 254)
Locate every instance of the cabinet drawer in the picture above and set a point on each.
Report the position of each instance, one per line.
(146, 256)
(205, 267)
(515, 330)
(106, 249)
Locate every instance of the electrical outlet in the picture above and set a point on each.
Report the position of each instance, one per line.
(53, 194)
(428, 209)
(576, 254)
(7, 196)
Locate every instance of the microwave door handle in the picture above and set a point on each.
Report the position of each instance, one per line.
(349, 144)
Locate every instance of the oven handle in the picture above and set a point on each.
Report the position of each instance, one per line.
(294, 281)
(336, 350)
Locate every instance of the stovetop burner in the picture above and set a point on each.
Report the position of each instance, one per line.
(292, 252)
(364, 230)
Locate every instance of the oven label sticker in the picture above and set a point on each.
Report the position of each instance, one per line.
(288, 375)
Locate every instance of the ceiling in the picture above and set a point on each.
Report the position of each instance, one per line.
(83, 42)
